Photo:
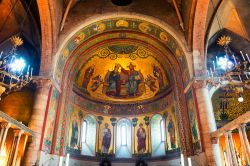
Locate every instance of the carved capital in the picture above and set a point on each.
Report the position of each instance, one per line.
(42, 82)
(5, 125)
(18, 132)
(198, 84)
(214, 140)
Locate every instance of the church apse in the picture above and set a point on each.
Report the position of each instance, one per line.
(98, 135)
(122, 76)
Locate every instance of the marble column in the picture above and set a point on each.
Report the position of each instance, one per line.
(43, 86)
(228, 150)
(232, 147)
(246, 140)
(18, 134)
(6, 127)
(208, 123)
(1, 133)
(245, 156)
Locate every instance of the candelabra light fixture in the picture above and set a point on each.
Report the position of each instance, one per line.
(229, 70)
(13, 71)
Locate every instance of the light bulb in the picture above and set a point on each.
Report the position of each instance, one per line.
(240, 99)
(17, 65)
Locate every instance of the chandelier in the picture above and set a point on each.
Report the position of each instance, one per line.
(229, 71)
(12, 67)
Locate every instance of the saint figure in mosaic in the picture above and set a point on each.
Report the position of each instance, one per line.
(141, 135)
(74, 135)
(106, 139)
(171, 130)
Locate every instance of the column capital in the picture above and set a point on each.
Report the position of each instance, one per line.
(5, 125)
(42, 82)
(18, 132)
(243, 125)
(199, 83)
(228, 133)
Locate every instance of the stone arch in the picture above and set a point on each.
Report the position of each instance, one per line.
(78, 41)
(48, 34)
(199, 34)
(67, 36)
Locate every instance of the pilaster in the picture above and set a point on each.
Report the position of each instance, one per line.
(43, 86)
(208, 123)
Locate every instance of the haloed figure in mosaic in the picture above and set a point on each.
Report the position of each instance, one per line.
(74, 135)
(141, 135)
(171, 130)
(106, 139)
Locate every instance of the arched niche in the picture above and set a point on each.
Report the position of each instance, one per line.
(158, 135)
(124, 138)
(88, 135)
(84, 40)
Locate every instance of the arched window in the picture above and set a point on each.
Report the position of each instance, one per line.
(84, 131)
(124, 135)
(123, 139)
(88, 135)
(158, 135)
(163, 131)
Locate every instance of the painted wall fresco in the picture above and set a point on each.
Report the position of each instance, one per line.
(118, 24)
(50, 121)
(140, 132)
(123, 73)
(171, 129)
(193, 120)
(74, 127)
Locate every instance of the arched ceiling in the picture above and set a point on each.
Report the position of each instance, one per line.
(122, 71)
(97, 47)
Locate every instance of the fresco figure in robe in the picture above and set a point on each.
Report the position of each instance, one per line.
(134, 79)
(87, 75)
(158, 74)
(114, 82)
(171, 130)
(74, 134)
(106, 139)
(141, 135)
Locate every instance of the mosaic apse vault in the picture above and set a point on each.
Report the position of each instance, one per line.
(123, 73)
